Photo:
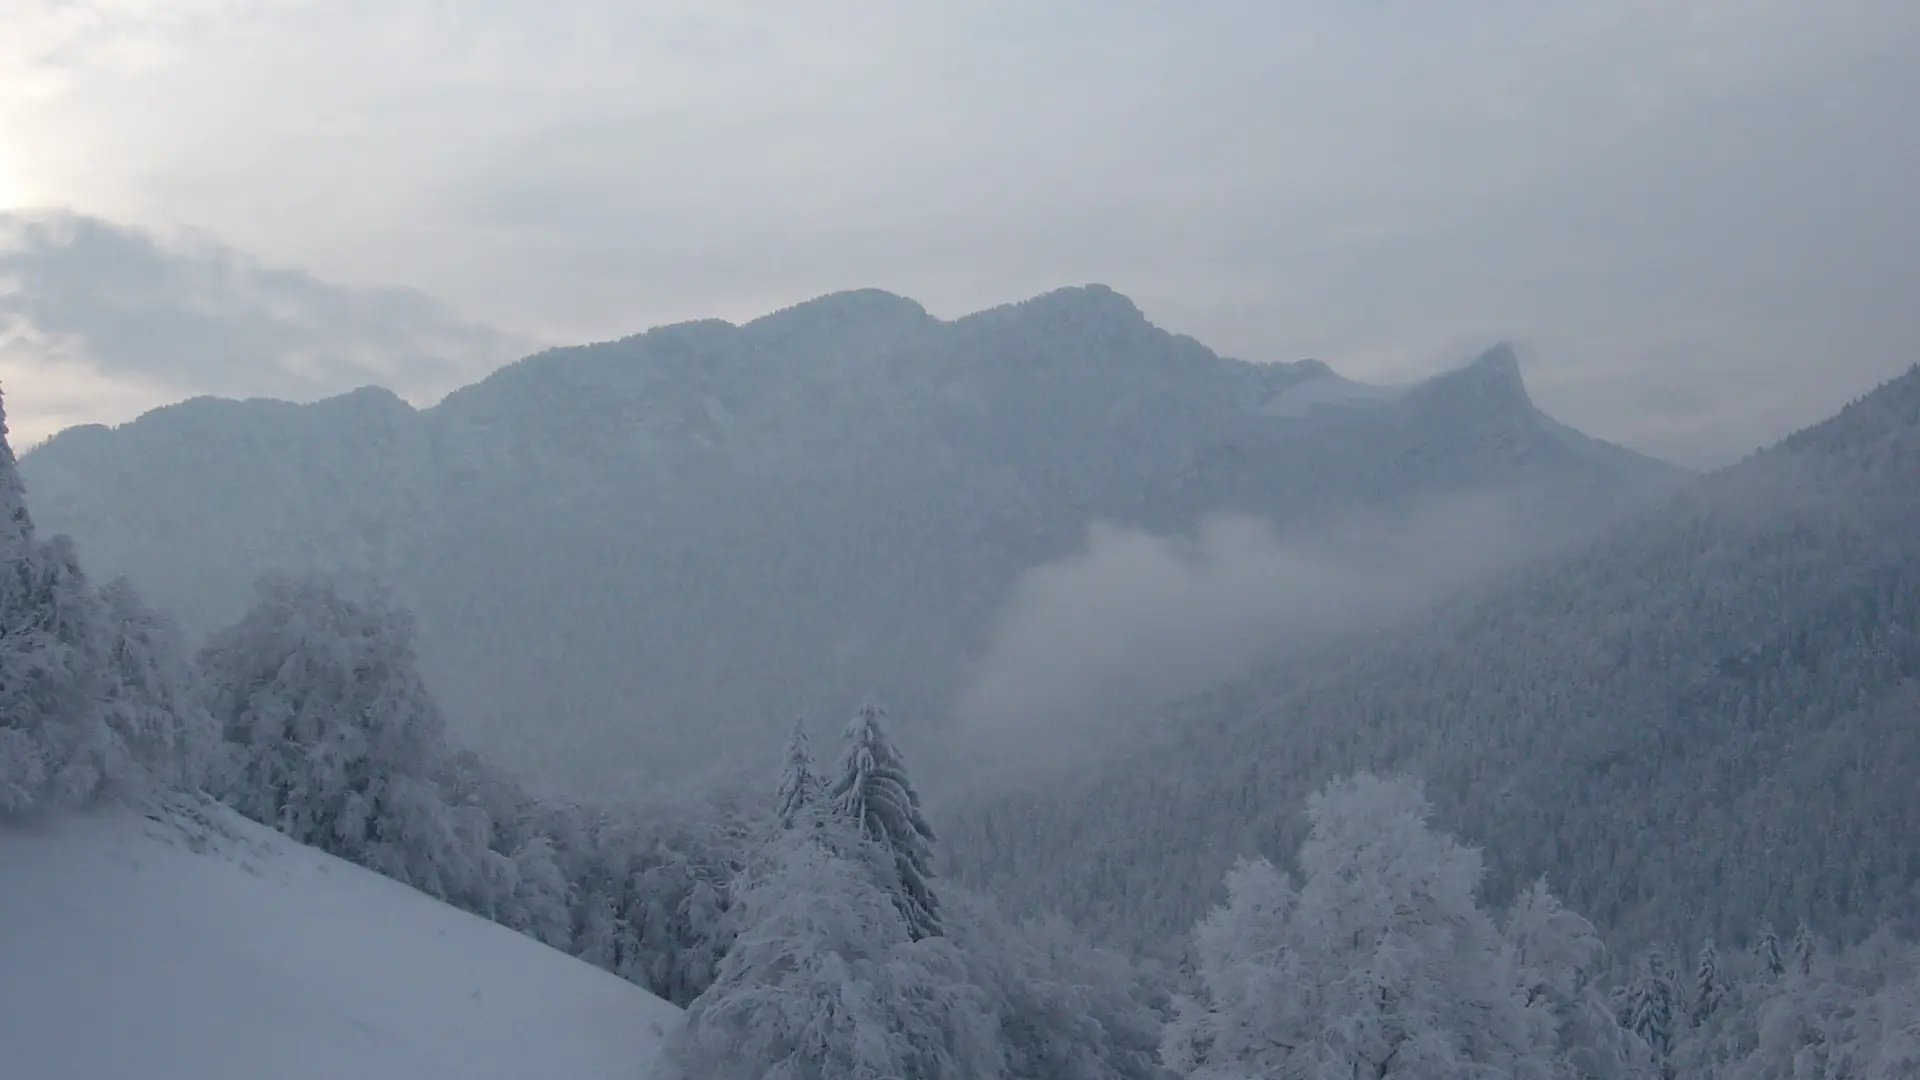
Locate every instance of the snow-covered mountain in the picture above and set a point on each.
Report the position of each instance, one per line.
(1706, 718)
(627, 556)
(184, 942)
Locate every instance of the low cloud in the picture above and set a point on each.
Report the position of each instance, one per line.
(88, 304)
(1090, 646)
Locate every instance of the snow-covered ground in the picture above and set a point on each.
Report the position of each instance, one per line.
(182, 942)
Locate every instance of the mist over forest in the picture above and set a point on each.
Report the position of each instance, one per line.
(989, 542)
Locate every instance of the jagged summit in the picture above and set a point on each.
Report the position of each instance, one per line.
(1499, 359)
(1497, 370)
(1491, 380)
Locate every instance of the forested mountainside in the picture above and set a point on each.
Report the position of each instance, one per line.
(1707, 718)
(626, 555)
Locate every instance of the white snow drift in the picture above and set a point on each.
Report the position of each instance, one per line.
(183, 942)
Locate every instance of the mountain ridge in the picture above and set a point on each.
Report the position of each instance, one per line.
(836, 496)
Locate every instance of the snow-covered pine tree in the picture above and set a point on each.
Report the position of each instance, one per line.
(1651, 1008)
(798, 784)
(826, 980)
(874, 794)
(1804, 948)
(1856, 1017)
(1709, 989)
(1767, 950)
(337, 742)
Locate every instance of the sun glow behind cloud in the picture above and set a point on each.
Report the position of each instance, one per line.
(16, 192)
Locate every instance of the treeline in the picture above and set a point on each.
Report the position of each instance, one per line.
(330, 736)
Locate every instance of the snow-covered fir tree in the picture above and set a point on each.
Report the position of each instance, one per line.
(828, 980)
(1651, 1008)
(873, 792)
(1855, 1017)
(1766, 949)
(337, 742)
(798, 784)
(1709, 989)
(1804, 948)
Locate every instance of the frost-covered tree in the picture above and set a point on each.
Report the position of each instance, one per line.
(153, 706)
(1253, 1015)
(827, 980)
(681, 922)
(95, 688)
(1766, 949)
(1805, 948)
(53, 742)
(644, 889)
(541, 894)
(873, 793)
(1855, 1017)
(1709, 988)
(1558, 953)
(1650, 1006)
(16, 524)
(1381, 964)
(1063, 1008)
(337, 742)
(798, 784)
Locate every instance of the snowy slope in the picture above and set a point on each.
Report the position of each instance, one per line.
(187, 942)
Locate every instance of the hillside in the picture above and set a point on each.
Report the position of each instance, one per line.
(187, 943)
(1705, 718)
(627, 556)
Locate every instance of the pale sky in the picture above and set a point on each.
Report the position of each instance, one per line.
(1695, 218)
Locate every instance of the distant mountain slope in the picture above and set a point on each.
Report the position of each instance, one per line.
(1707, 717)
(627, 556)
(193, 944)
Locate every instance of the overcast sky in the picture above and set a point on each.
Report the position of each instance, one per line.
(1695, 217)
